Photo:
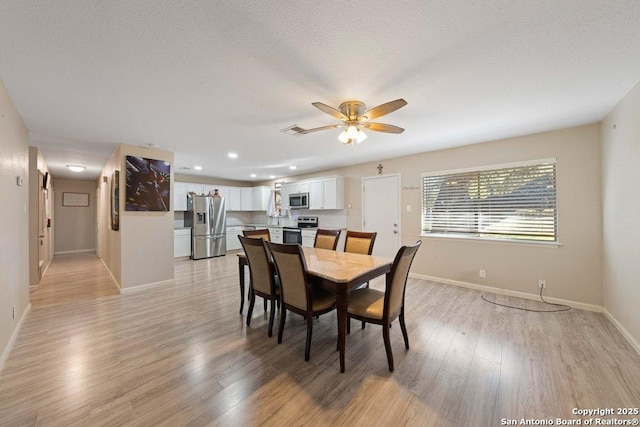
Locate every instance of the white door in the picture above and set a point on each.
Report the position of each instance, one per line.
(381, 212)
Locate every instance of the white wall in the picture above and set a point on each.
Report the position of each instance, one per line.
(75, 225)
(141, 252)
(621, 213)
(14, 227)
(573, 271)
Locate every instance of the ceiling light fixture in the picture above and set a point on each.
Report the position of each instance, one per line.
(293, 168)
(253, 175)
(198, 168)
(233, 155)
(76, 168)
(272, 176)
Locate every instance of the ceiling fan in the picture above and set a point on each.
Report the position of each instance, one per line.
(354, 118)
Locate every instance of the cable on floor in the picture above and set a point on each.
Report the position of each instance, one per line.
(564, 307)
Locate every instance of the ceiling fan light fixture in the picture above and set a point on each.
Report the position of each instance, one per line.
(343, 137)
(352, 132)
(361, 136)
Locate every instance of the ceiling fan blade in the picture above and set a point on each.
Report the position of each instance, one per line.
(381, 127)
(330, 110)
(383, 109)
(305, 131)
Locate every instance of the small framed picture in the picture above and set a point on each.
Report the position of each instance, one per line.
(75, 199)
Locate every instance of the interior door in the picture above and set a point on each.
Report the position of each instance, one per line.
(381, 212)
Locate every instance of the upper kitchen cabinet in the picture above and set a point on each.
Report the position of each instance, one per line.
(234, 199)
(326, 193)
(179, 196)
(260, 198)
(246, 198)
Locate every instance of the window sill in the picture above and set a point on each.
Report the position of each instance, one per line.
(493, 241)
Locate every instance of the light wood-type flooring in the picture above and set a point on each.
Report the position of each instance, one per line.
(180, 354)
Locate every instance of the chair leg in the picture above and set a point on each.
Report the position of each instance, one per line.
(265, 303)
(387, 345)
(307, 346)
(363, 323)
(272, 316)
(348, 324)
(404, 329)
(283, 316)
(252, 302)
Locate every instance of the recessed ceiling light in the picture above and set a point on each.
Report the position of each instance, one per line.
(75, 168)
(233, 155)
(292, 168)
(198, 168)
(253, 175)
(272, 176)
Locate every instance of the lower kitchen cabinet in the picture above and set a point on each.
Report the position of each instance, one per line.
(182, 242)
(308, 237)
(233, 243)
(276, 234)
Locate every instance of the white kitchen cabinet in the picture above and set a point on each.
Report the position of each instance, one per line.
(208, 189)
(234, 199)
(326, 193)
(246, 198)
(276, 234)
(195, 188)
(260, 198)
(233, 243)
(308, 237)
(182, 242)
(179, 196)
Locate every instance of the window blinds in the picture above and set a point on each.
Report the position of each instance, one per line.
(517, 202)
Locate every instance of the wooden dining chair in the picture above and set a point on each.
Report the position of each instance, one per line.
(257, 234)
(263, 282)
(360, 242)
(382, 308)
(296, 294)
(327, 239)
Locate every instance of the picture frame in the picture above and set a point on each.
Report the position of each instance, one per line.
(148, 184)
(80, 200)
(115, 201)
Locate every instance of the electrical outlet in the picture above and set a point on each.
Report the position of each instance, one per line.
(542, 283)
(483, 274)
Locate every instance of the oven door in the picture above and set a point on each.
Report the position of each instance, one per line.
(291, 235)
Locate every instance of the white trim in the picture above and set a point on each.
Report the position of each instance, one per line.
(491, 167)
(626, 334)
(5, 353)
(78, 251)
(111, 274)
(145, 286)
(524, 242)
(500, 291)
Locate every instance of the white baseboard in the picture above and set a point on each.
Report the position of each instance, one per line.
(145, 286)
(626, 334)
(111, 274)
(78, 251)
(5, 353)
(500, 291)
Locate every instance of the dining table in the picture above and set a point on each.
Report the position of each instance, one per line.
(337, 271)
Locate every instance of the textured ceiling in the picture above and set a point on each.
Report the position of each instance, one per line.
(203, 78)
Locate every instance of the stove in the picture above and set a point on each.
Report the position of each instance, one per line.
(294, 234)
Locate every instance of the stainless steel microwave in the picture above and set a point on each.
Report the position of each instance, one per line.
(299, 201)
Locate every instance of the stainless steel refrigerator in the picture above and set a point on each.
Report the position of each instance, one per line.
(207, 218)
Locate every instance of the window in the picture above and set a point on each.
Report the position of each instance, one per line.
(502, 202)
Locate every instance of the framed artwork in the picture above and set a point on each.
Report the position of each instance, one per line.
(75, 199)
(115, 201)
(148, 184)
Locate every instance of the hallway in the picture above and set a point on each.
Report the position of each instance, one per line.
(74, 278)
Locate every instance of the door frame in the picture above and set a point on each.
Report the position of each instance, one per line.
(398, 207)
